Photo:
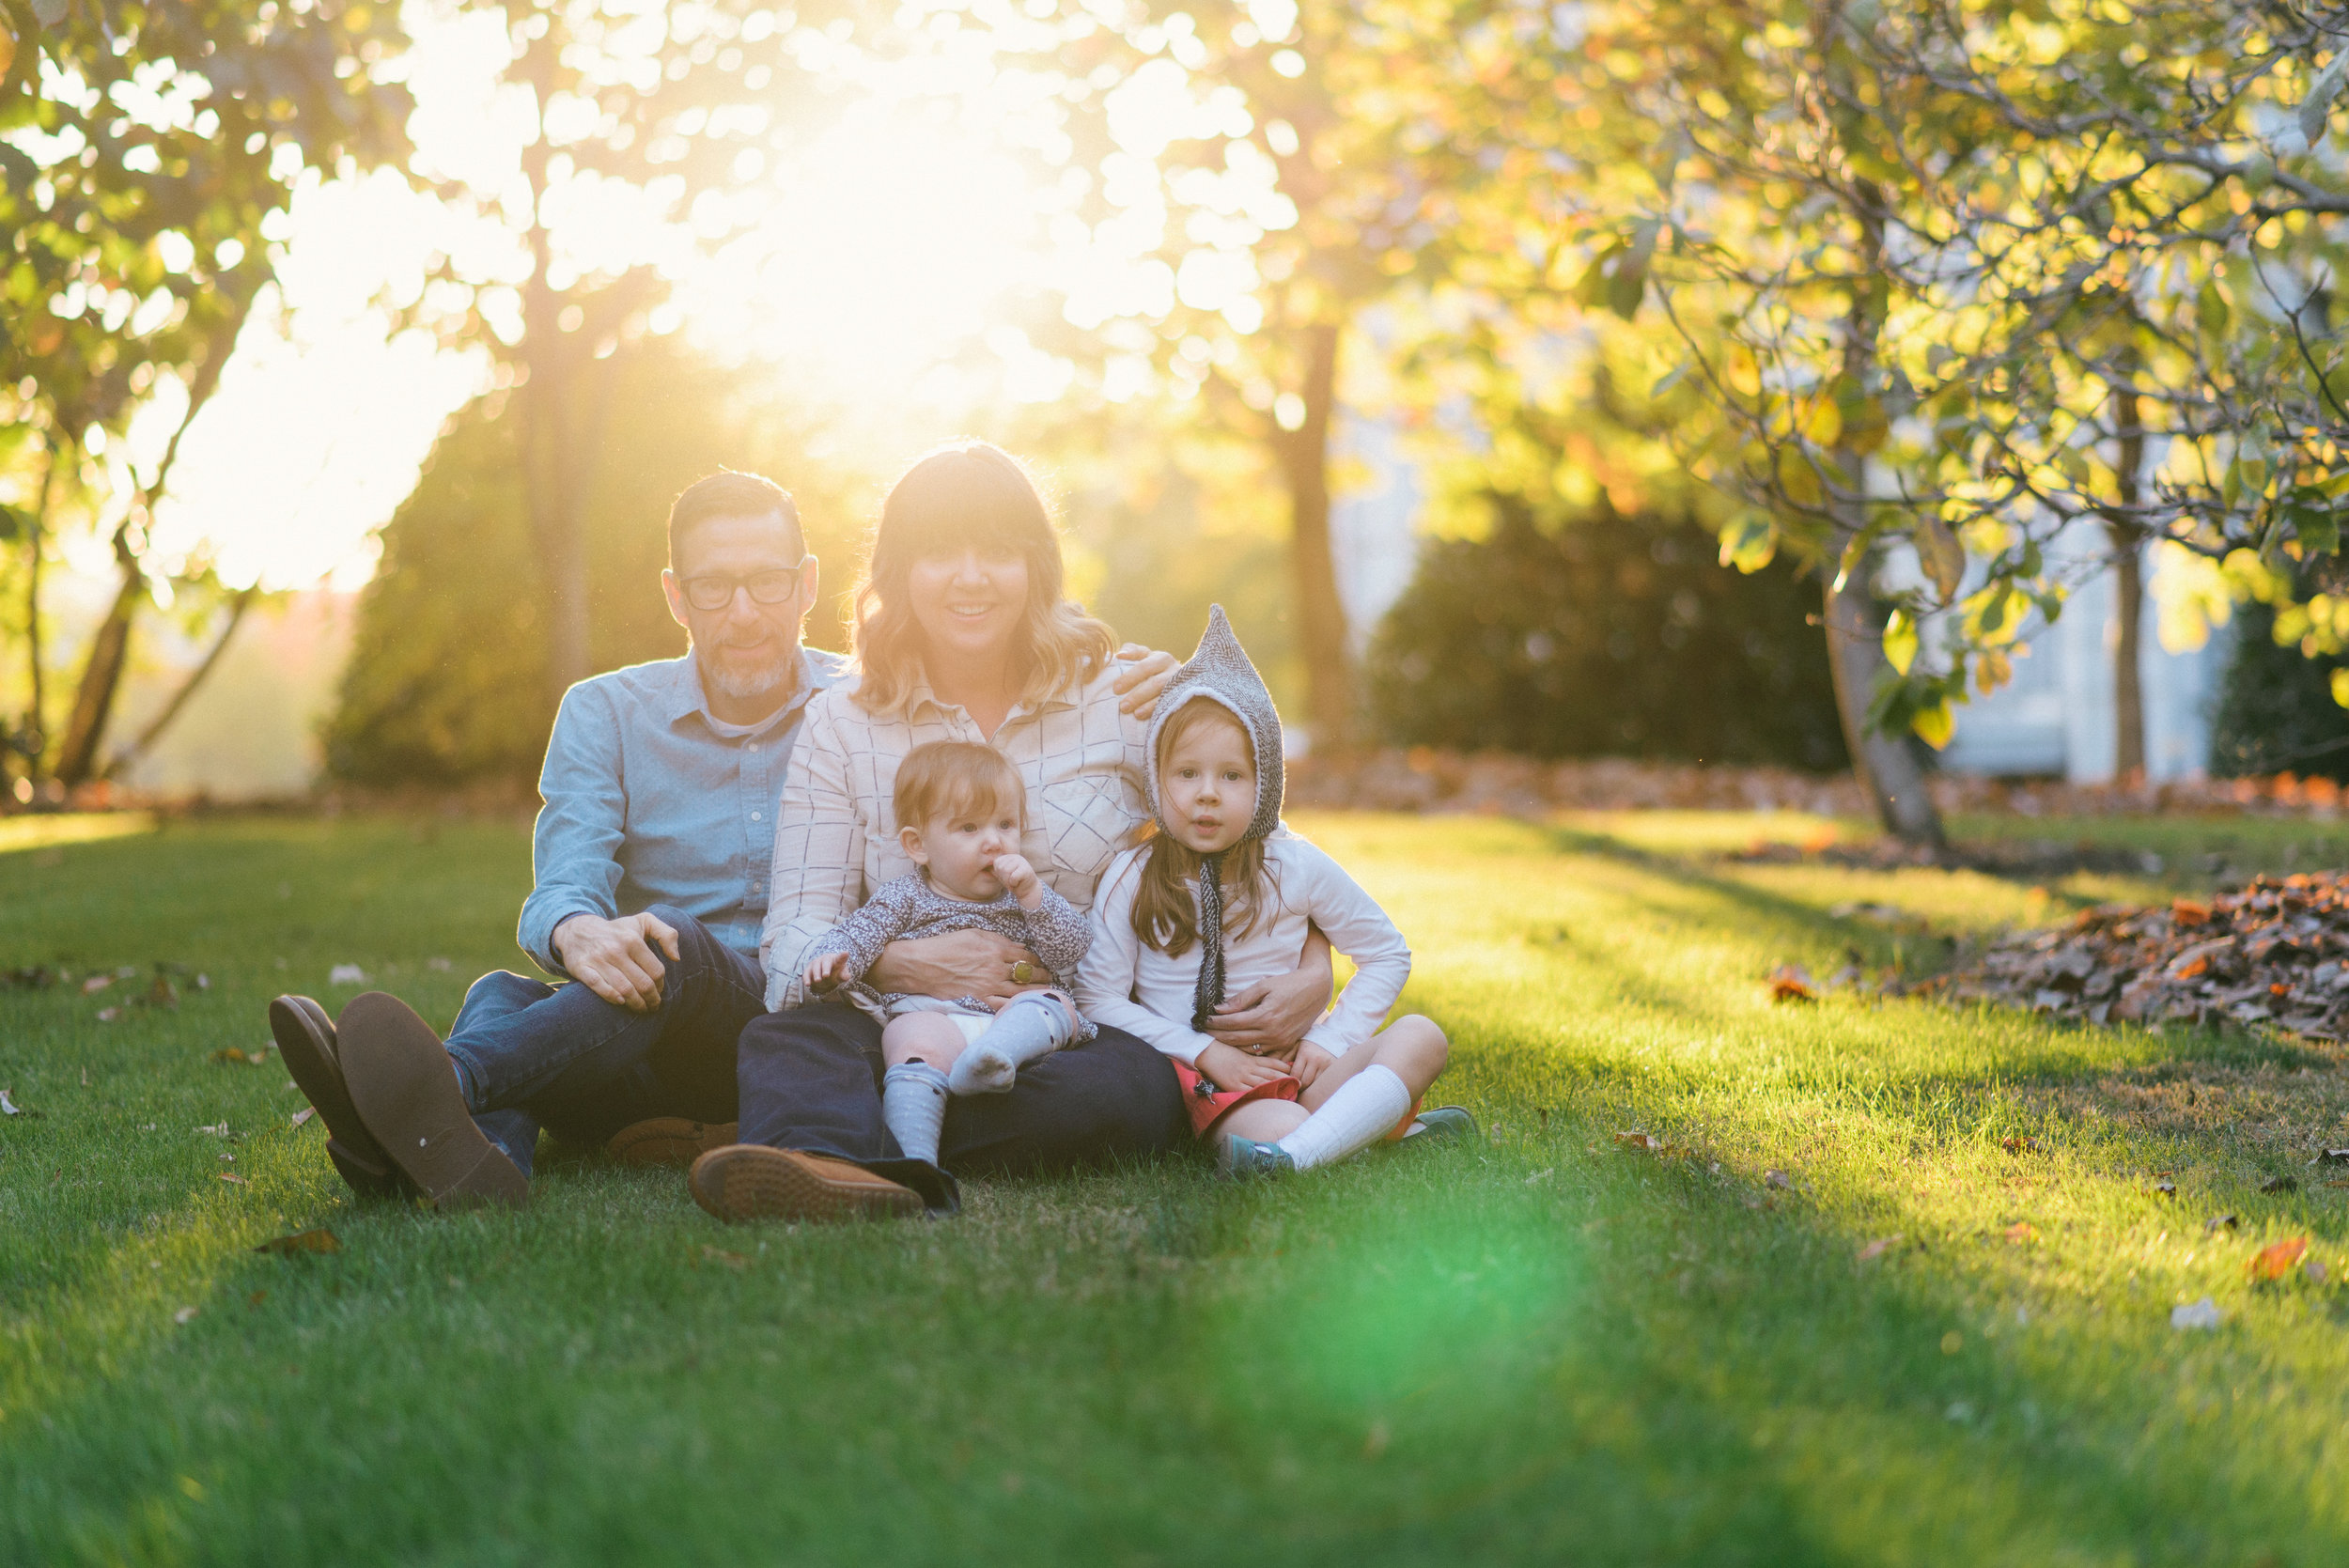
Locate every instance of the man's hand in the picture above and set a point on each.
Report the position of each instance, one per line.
(1146, 674)
(1271, 1015)
(826, 971)
(1310, 1063)
(1235, 1069)
(1019, 879)
(614, 958)
(959, 964)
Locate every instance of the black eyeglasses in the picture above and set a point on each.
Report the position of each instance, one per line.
(715, 592)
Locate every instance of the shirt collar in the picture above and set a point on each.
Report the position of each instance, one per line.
(921, 696)
(687, 698)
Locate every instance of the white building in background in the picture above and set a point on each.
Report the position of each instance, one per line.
(2057, 716)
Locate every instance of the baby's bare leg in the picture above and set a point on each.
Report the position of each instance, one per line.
(920, 1047)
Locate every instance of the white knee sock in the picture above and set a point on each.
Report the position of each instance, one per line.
(1033, 1025)
(1364, 1110)
(914, 1105)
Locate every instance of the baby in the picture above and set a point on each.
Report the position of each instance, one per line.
(961, 808)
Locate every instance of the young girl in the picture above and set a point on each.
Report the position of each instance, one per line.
(1219, 899)
(961, 808)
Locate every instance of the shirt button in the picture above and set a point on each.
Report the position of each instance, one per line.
(754, 817)
(754, 745)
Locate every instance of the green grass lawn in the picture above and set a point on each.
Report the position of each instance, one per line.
(1543, 1350)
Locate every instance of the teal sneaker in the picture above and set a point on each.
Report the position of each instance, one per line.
(1242, 1160)
(1443, 1121)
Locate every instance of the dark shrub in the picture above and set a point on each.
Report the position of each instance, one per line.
(1611, 636)
(2276, 710)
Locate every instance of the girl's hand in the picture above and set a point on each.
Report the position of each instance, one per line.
(1229, 1068)
(826, 971)
(1019, 879)
(1310, 1063)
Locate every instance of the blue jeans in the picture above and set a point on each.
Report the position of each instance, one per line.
(811, 1081)
(533, 1055)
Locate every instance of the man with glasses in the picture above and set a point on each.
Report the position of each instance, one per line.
(651, 856)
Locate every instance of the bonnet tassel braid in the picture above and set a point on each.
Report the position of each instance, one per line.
(1209, 995)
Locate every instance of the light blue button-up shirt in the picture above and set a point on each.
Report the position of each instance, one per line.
(649, 800)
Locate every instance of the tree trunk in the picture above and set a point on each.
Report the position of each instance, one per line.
(549, 450)
(2128, 587)
(1884, 765)
(162, 721)
(36, 736)
(1304, 456)
(101, 677)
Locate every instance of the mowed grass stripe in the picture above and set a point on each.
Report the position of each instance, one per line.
(1546, 1350)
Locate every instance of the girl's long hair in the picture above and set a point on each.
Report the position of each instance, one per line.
(1166, 913)
(962, 494)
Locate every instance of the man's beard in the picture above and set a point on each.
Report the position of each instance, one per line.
(744, 685)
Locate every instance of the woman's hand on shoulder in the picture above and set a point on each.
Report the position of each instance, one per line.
(959, 964)
(1141, 675)
(1230, 1069)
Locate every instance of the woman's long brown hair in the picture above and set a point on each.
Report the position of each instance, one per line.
(969, 493)
(1166, 912)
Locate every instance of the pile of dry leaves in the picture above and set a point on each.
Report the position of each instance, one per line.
(2276, 951)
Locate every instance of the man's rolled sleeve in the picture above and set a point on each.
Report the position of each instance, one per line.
(574, 850)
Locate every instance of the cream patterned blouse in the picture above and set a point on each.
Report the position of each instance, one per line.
(836, 837)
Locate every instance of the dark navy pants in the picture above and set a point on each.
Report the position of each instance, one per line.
(811, 1081)
(562, 1058)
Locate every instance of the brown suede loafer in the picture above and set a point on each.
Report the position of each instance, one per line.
(406, 1093)
(749, 1181)
(669, 1141)
(306, 1043)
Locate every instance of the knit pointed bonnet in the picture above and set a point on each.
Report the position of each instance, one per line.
(1219, 671)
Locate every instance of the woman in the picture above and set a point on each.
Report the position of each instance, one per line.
(961, 634)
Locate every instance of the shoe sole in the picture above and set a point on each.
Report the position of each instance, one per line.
(306, 1043)
(669, 1141)
(749, 1181)
(406, 1093)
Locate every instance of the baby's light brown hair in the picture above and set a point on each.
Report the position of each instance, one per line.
(954, 777)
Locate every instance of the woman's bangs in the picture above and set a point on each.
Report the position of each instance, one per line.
(953, 502)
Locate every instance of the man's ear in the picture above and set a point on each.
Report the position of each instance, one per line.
(673, 591)
(910, 840)
(811, 577)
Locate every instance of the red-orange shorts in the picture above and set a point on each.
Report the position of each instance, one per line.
(1207, 1103)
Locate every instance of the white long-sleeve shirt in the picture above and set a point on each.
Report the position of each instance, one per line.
(1147, 994)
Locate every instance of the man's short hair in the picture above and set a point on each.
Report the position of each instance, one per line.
(956, 776)
(728, 494)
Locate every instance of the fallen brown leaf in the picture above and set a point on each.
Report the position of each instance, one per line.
(1640, 1143)
(305, 1115)
(108, 1015)
(2273, 1263)
(2019, 1145)
(319, 1240)
(185, 1315)
(232, 1176)
(2281, 1183)
(96, 983)
(2314, 1270)
(1793, 983)
(1877, 1248)
(2220, 1223)
(732, 1260)
(1775, 1178)
(2021, 1232)
(232, 1056)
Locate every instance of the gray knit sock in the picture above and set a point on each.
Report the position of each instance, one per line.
(914, 1104)
(1032, 1025)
